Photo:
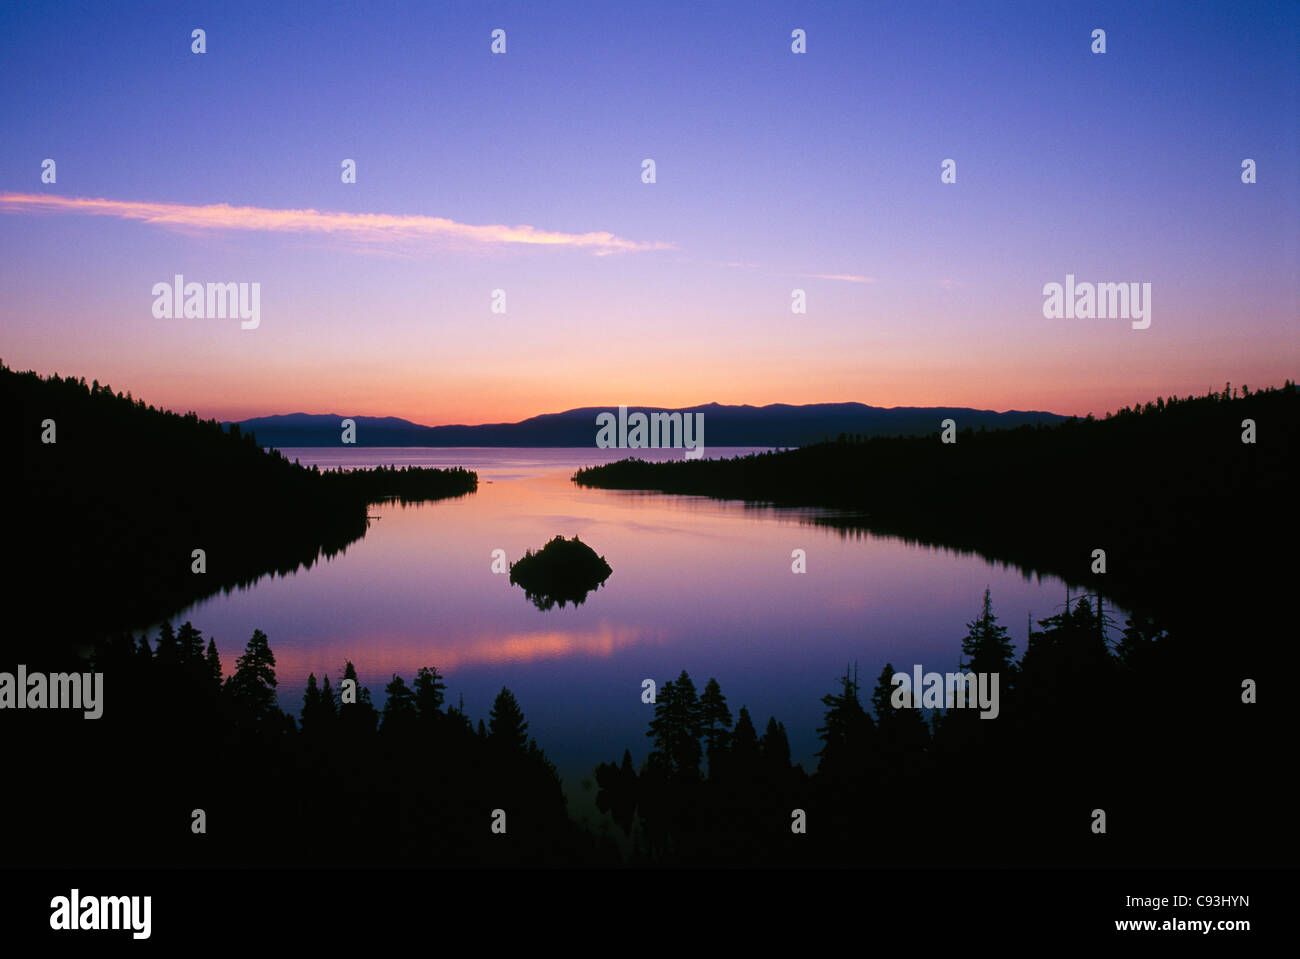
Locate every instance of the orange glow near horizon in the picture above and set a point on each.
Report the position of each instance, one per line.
(431, 405)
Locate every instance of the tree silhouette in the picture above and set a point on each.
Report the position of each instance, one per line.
(357, 718)
(176, 482)
(189, 644)
(213, 661)
(617, 791)
(317, 707)
(506, 725)
(1138, 648)
(676, 728)
(399, 707)
(1066, 661)
(987, 648)
(903, 734)
(743, 756)
(847, 734)
(774, 748)
(253, 684)
(310, 703)
(716, 718)
(165, 648)
(328, 709)
(429, 690)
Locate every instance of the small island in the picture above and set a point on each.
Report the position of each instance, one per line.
(564, 570)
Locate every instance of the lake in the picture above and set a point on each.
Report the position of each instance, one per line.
(697, 584)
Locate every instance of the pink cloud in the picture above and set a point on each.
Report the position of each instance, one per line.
(846, 277)
(368, 227)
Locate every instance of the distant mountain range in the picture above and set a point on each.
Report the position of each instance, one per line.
(778, 424)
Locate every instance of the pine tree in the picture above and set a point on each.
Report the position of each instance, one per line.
(882, 696)
(253, 683)
(214, 662)
(310, 703)
(847, 735)
(903, 731)
(328, 709)
(165, 647)
(1065, 664)
(677, 727)
(429, 689)
(743, 756)
(506, 725)
(986, 646)
(189, 644)
(359, 717)
(716, 718)
(350, 673)
(774, 747)
(458, 719)
(1137, 649)
(399, 707)
(658, 730)
(1086, 650)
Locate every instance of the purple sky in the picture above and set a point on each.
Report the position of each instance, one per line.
(775, 171)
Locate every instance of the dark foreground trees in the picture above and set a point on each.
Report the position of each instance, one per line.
(347, 786)
(900, 787)
(116, 506)
(419, 784)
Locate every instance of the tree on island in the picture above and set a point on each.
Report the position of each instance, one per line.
(561, 571)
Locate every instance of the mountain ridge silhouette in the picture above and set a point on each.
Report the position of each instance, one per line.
(775, 424)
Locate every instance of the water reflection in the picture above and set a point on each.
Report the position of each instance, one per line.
(701, 585)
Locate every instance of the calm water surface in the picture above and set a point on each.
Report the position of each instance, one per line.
(698, 584)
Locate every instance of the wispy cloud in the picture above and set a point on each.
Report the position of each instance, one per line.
(366, 227)
(846, 277)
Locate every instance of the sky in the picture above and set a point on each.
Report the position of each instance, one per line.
(775, 171)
